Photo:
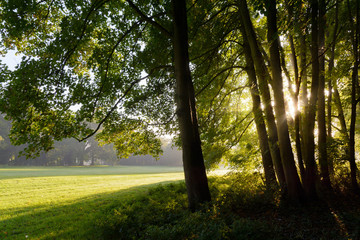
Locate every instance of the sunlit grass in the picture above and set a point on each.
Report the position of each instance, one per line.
(64, 202)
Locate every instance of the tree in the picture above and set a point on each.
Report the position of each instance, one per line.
(258, 115)
(264, 79)
(323, 157)
(85, 62)
(309, 144)
(194, 168)
(355, 31)
(292, 178)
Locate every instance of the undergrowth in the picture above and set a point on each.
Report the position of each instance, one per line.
(241, 209)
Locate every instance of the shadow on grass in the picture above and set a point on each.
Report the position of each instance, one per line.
(68, 220)
(236, 213)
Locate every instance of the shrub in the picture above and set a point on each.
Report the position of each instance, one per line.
(162, 213)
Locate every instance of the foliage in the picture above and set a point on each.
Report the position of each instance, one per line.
(240, 210)
(162, 214)
(84, 62)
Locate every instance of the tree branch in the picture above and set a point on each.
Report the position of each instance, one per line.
(119, 100)
(108, 62)
(111, 110)
(213, 78)
(149, 20)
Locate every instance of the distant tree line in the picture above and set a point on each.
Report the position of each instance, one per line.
(70, 152)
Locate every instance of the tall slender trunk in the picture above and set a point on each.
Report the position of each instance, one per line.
(292, 179)
(323, 159)
(270, 177)
(264, 78)
(194, 167)
(297, 112)
(341, 116)
(353, 167)
(303, 97)
(330, 84)
(309, 143)
(355, 30)
(295, 21)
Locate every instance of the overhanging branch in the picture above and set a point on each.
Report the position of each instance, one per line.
(148, 19)
(111, 110)
(213, 78)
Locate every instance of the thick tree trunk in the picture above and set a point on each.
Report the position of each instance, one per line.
(194, 168)
(309, 143)
(292, 179)
(258, 115)
(264, 78)
(323, 159)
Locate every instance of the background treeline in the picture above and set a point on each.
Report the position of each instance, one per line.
(70, 152)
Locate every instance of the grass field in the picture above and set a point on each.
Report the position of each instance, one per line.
(65, 202)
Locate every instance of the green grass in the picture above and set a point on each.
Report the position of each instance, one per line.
(64, 202)
(130, 203)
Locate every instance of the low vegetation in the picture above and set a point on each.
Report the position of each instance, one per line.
(107, 203)
(241, 209)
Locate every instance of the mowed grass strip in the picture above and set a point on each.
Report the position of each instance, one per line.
(65, 202)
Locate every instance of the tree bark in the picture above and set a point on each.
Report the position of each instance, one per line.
(294, 20)
(355, 30)
(292, 179)
(323, 158)
(297, 112)
(304, 92)
(194, 167)
(309, 143)
(270, 177)
(330, 84)
(341, 116)
(264, 78)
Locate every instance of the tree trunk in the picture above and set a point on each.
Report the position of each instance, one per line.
(303, 96)
(341, 116)
(309, 143)
(194, 167)
(292, 179)
(355, 30)
(330, 84)
(297, 112)
(294, 20)
(353, 167)
(258, 115)
(264, 78)
(323, 159)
